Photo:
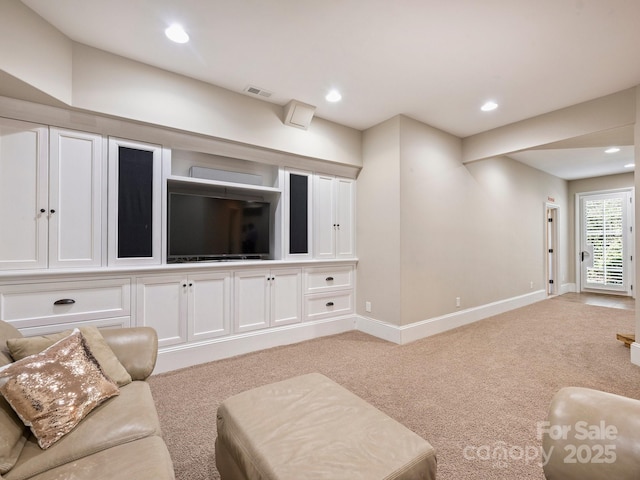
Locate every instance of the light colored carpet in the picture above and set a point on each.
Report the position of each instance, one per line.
(471, 392)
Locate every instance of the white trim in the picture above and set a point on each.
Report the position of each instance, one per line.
(567, 287)
(432, 326)
(186, 355)
(635, 353)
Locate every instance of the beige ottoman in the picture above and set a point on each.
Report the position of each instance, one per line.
(309, 427)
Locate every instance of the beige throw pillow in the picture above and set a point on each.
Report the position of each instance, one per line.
(52, 391)
(26, 346)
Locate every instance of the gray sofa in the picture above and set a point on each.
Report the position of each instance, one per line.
(120, 439)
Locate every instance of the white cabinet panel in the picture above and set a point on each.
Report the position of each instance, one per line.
(185, 308)
(23, 195)
(266, 298)
(75, 199)
(251, 289)
(162, 304)
(209, 305)
(286, 296)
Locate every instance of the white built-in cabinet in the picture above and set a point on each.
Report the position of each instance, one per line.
(334, 217)
(99, 204)
(267, 298)
(51, 197)
(185, 308)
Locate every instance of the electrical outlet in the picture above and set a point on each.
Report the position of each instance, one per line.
(367, 306)
(458, 302)
(531, 286)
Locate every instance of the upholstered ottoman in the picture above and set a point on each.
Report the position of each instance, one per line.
(308, 428)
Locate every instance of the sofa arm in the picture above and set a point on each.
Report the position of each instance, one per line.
(136, 348)
(591, 435)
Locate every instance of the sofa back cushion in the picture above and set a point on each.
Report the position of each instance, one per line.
(23, 347)
(13, 433)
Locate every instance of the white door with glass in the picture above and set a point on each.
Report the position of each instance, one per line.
(606, 243)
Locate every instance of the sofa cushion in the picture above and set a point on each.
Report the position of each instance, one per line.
(129, 416)
(13, 432)
(26, 346)
(144, 459)
(55, 389)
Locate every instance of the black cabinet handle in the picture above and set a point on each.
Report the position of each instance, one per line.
(329, 279)
(329, 304)
(53, 211)
(64, 301)
(42, 210)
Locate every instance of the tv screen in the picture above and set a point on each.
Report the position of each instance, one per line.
(212, 228)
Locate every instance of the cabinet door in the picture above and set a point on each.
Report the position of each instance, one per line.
(286, 296)
(297, 237)
(24, 205)
(252, 301)
(135, 203)
(75, 199)
(345, 218)
(324, 216)
(161, 303)
(209, 305)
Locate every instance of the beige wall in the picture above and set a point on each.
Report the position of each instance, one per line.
(37, 58)
(378, 223)
(34, 51)
(472, 231)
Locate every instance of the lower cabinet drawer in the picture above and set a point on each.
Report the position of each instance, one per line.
(322, 279)
(328, 305)
(28, 305)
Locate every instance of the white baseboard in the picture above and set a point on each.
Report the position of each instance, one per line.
(635, 353)
(181, 356)
(567, 288)
(432, 326)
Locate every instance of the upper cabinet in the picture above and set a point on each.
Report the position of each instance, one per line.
(76, 199)
(84, 200)
(334, 217)
(297, 211)
(51, 197)
(135, 203)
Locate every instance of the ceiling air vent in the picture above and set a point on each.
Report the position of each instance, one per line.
(257, 91)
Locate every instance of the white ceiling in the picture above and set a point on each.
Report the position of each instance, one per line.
(434, 60)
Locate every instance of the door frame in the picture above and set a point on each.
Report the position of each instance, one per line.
(631, 250)
(551, 242)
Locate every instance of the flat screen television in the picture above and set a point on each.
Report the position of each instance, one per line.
(207, 228)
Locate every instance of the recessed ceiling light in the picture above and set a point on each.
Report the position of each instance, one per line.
(333, 96)
(612, 150)
(488, 106)
(177, 34)
(630, 165)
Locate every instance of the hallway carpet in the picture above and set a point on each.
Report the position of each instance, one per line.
(475, 393)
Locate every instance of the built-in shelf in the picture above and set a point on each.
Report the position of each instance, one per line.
(242, 188)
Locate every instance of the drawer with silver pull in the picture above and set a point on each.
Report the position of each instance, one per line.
(328, 305)
(26, 305)
(323, 279)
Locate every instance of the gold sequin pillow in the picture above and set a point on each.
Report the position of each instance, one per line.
(20, 348)
(55, 389)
